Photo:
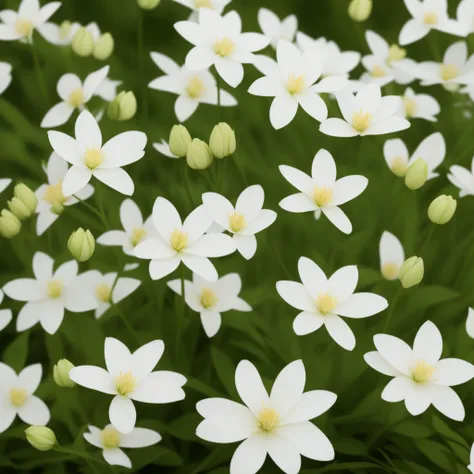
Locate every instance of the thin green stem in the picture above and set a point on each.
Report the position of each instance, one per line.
(85, 456)
(428, 238)
(39, 74)
(218, 84)
(180, 318)
(92, 209)
(140, 42)
(392, 308)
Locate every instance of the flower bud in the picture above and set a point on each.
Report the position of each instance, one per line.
(81, 244)
(9, 224)
(41, 437)
(19, 209)
(222, 141)
(417, 174)
(179, 140)
(360, 10)
(57, 208)
(396, 53)
(104, 47)
(148, 4)
(442, 209)
(26, 196)
(411, 272)
(65, 29)
(123, 107)
(199, 156)
(83, 42)
(61, 374)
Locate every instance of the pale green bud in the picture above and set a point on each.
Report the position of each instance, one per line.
(81, 244)
(123, 107)
(417, 174)
(148, 4)
(222, 141)
(61, 374)
(411, 272)
(9, 224)
(26, 196)
(83, 42)
(19, 209)
(442, 209)
(199, 156)
(64, 29)
(41, 437)
(179, 140)
(57, 208)
(360, 10)
(104, 47)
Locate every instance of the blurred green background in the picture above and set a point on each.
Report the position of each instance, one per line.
(369, 434)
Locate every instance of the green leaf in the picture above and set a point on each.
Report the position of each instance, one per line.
(442, 428)
(412, 429)
(184, 427)
(436, 453)
(427, 296)
(203, 388)
(351, 446)
(16, 353)
(225, 370)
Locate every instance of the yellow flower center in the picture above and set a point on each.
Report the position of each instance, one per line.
(296, 84)
(399, 167)
(103, 292)
(179, 240)
(54, 194)
(125, 383)
(449, 71)
(322, 196)
(396, 53)
(195, 88)
(410, 107)
(422, 372)
(93, 157)
(224, 47)
(137, 236)
(55, 288)
(110, 438)
(361, 121)
(18, 397)
(267, 419)
(430, 18)
(204, 3)
(76, 97)
(237, 222)
(208, 298)
(23, 27)
(378, 71)
(326, 303)
(390, 270)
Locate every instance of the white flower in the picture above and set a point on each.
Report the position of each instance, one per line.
(427, 15)
(136, 230)
(196, 5)
(421, 106)
(463, 179)
(164, 149)
(471, 460)
(48, 294)
(367, 113)
(105, 290)
(51, 199)
(245, 220)
(107, 89)
(292, 82)
(129, 377)
(5, 76)
(275, 29)
(4, 183)
(323, 301)
(465, 16)
(320, 192)
(16, 397)
(470, 323)
(392, 256)
(211, 298)
(5, 315)
(192, 87)
(30, 16)
(74, 95)
(432, 150)
(183, 242)
(219, 41)
(89, 158)
(420, 377)
(110, 440)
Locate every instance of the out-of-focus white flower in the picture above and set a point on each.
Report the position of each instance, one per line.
(275, 29)
(471, 460)
(196, 5)
(107, 89)
(463, 179)
(4, 183)
(5, 315)
(470, 323)
(421, 106)
(164, 149)
(392, 256)
(192, 87)
(465, 16)
(5, 76)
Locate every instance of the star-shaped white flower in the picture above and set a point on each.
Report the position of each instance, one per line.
(30, 16)
(74, 95)
(245, 220)
(196, 5)
(432, 150)
(427, 15)
(420, 378)
(470, 323)
(211, 298)
(164, 148)
(129, 377)
(421, 106)
(136, 229)
(321, 192)
(5, 315)
(102, 288)
(465, 16)
(192, 87)
(219, 41)
(5, 76)
(366, 113)
(4, 183)
(48, 294)
(323, 301)
(392, 256)
(51, 200)
(110, 440)
(183, 242)
(293, 81)
(16, 397)
(277, 424)
(275, 29)
(89, 157)
(463, 179)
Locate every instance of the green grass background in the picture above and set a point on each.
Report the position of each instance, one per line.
(369, 434)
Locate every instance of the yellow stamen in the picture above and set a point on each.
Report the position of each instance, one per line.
(208, 298)
(322, 196)
(410, 107)
(93, 157)
(361, 121)
(378, 71)
(422, 372)
(76, 98)
(179, 240)
(449, 71)
(125, 383)
(267, 419)
(399, 166)
(137, 236)
(195, 88)
(430, 18)
(18, 397)
(103, 292)
(110, 438)
(55, 288)
(396, 53)
(204, 3)
(237, 222)
(326, 303)
(390, 270)
(54, 194)
(23, 27)
(296, 84)
(224, 47)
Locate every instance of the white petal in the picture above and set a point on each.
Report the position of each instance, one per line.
(117, 356)
(117, 179)
(306, 323)
(30, 377)
(166, 218)
(211, 322)
(313, 105)
(211, 245)
(66, 147)
(24, 289)
(395, 351)
(116, 457)
(250, 386)
(76, 179)
(397, 389)
(340, 331)
(378, 363)
(231, 71)
(361, 305)
(219, 207)
(246, 245)
(123, 149)
(163, 267)
(311, 405)
(139, 438)
(160, 387)
(5, 318)
(146, 357)
(298, 179)
(342, 283)
(166, 64)
(323, 170)
(283, 110)
(337, 216)
(312, 276)
(284, 453)
(418, 400)
(42, 266)
(249, 457)
(122, 414)
(87, 131)
(288, 387)
(470, 323)
(428, 343)
(298, 203)
(453, 372)
(447, 401)
(336, 127)
(113, 237)
(296, 295)
(34, 412)
(348, 188)
(391, 250)
(94, 378)
(57, 115)
(29, 315)
(185, 107)
(201, 265)
(7, 412)
(264, 219)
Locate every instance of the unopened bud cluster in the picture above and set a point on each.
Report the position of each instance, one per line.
(84, 44)
(123, 107)
(81, 244)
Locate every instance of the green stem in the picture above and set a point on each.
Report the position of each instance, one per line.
(392, 309)
(428, 238)
(85, 456)
(140, 42)
(218, 84)
(180, 319)
(92, 209)
(39, 74)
